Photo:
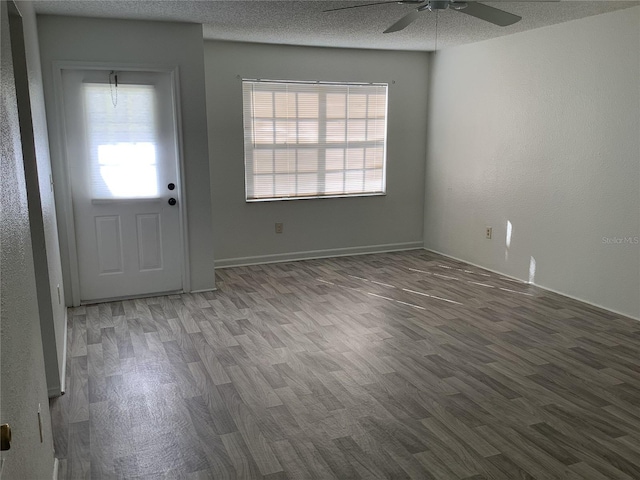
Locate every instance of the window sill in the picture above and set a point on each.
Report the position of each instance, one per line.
(317, 197)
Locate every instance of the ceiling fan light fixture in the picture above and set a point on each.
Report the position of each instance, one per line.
(458, 5)
(435, 5)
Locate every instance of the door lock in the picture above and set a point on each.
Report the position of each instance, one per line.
(172, 201)
(171, 186)
(5, 437)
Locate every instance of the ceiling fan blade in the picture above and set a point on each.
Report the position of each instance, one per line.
(404, 22)
(490, 14)
(372, 4)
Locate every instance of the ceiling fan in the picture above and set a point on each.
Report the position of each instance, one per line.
(473, 8)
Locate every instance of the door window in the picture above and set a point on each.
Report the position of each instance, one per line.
(122, 139)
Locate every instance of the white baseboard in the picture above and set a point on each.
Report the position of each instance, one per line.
(60, 388)
(63, 370)
(622, 314)
(537, 285)
(313, 254)
(56, 465)
(476, 265)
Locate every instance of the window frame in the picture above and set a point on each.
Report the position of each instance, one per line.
(322, 144)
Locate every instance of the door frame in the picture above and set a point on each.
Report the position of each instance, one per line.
(63, 183)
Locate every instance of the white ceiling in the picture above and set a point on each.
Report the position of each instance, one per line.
(305, 23)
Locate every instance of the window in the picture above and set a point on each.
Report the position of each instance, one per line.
(122, 139)
(310, 140)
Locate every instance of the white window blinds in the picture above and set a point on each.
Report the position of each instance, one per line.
(122, 139)
(307, 140)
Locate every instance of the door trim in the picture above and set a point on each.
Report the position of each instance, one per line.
(62, 184)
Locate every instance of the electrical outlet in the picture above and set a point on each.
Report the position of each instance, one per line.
(279, 227)
(488, 233)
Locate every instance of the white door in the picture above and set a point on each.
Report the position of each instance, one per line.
(122, 155)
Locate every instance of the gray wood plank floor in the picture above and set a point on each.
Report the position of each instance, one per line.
(401, 365)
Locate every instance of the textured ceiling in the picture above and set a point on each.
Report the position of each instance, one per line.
(305, 23)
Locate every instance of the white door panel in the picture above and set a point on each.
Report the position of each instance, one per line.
(149, 241)
(109, 242)
(122, 157)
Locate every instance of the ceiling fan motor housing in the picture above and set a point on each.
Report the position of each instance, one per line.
(435, 5)
(442, 5)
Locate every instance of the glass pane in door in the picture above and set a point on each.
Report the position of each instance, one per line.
(122, 139)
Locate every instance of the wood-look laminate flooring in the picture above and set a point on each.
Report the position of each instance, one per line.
(400, 365)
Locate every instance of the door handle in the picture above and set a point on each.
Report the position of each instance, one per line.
(5, 437)
(172, 201)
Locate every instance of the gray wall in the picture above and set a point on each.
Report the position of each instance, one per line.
(22, 375)
(42, 212)
(141, 43)
(541, 129)
(244, 232)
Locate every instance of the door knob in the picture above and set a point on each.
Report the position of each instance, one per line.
(172, 201)
(5, 437)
